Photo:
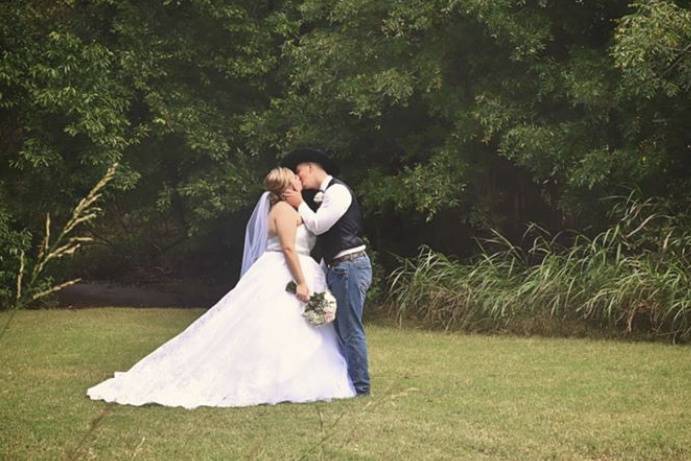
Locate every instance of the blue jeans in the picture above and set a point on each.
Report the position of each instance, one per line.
(349, 282)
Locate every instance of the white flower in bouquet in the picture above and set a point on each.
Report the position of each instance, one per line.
(321, 307)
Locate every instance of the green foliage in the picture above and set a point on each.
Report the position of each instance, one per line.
(495, 109)
(424, 189)
(12, 244)
(31, 281)
(653, 49)
(634, 277)
(469, 82)
(159, 87)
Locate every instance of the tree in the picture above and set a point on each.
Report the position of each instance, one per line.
(467, 114)
(159, 87)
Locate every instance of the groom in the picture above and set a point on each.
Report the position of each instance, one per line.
(338, 226)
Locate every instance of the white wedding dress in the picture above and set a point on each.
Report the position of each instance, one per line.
(252, 347)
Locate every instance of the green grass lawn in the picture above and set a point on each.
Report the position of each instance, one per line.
(435, 396)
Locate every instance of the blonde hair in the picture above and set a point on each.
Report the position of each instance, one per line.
(277, 181)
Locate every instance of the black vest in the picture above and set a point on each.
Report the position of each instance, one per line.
(346, 232)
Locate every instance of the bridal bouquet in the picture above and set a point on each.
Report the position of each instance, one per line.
(321, 307)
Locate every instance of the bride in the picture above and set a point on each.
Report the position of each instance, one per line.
(253, 346)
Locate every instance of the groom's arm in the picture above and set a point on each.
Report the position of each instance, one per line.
(335, 203)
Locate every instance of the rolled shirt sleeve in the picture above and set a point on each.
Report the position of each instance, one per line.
(334, 205)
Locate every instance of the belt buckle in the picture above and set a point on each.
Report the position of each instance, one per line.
(335, 261)
(356, 255)
(348, 257)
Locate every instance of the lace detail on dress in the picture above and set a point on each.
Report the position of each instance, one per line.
(253, 346)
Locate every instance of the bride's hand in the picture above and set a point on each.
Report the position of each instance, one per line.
(302, 292)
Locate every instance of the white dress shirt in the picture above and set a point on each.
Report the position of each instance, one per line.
(335, 203)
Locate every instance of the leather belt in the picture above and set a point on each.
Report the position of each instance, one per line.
(348, 257)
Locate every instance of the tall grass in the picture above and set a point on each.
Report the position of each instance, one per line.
(635, 276)
(32, 285)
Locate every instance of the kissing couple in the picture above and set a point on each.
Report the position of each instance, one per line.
(254, 346)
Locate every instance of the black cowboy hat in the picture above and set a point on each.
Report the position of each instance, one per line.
(308, 154)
